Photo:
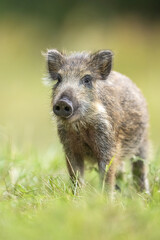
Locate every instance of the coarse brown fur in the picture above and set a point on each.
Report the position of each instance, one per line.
(110, 119)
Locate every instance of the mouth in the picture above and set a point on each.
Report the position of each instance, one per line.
(75, 116)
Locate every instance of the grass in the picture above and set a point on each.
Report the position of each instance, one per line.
(36, 197)
(37, 202)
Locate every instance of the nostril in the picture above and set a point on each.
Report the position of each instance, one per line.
(63, 108)
(67, 109)
(57, 108)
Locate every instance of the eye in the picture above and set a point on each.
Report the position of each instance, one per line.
(87, 80)
(59, 78)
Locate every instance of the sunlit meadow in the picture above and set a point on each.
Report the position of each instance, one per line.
(36, 197)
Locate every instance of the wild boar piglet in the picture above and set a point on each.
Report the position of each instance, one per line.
(101, 115)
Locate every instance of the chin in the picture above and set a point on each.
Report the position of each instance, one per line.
(73, 118)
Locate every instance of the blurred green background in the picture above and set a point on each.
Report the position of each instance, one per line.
(131, 29)
(36, 198)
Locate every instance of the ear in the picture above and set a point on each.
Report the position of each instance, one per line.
(102, 62)
(55, 61)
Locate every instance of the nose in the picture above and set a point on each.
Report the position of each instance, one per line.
(63, 108)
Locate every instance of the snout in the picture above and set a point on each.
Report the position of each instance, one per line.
(63, 108)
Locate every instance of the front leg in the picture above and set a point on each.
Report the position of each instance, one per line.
(73, 151)
(104, 149)
(107, 171)
(75, 165)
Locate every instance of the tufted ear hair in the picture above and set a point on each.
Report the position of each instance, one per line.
(101, 61)
(55, 61)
